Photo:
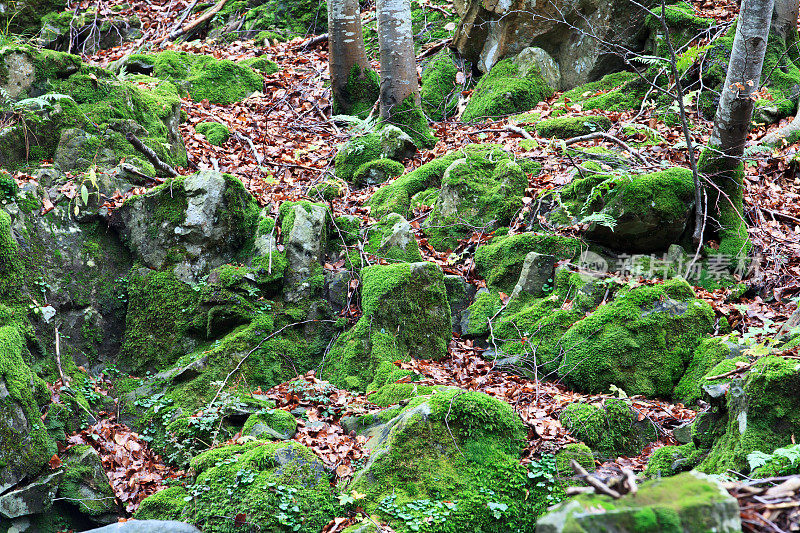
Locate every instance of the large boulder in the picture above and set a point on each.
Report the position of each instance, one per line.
(220, 81)
(478, 193)
(389, 142)
(191, 224)
(405, 314)
(449, 461)
(573, 32)
(641, 342)
(85, 486)
(25, 16)
(686, 502)
(88, 31)
(281, 486)
(628, 212)
(304, 226)
(83, 114)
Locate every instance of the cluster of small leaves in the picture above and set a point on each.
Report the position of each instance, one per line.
(417, 515)
(785, 461)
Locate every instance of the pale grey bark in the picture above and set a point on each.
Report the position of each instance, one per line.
(398, 63)
(345, 50)
(735, 110)
(784, 19)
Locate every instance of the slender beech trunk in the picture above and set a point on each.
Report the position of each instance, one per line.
(353, 83)
(399, 99)
(721, 162)
(784, 22)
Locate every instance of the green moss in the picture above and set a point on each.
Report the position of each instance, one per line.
(708, 354)
(620, 91)
(609, 431)
(26, 17)
(396, 196)
(500, 261)
(8, 187)
(78, 476)
(727, 197)
(578, 452)
(166, 504)
(502, 92)
(220, 81)
(408, 116)
(762, 414)
(394, 393)
(280, 19)
(214, 132)
(671, 460)
(11, 266)
(439, 91)
(405, 314)
(261, 64)
(355, 153)
(481, 192)
(377, 171)
(382, 241)
(569, 127)
(642, 341)
(684, 27)
(278, 420)
(449, 460)
(360, 93)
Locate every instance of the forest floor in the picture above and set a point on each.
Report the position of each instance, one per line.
(283, 142)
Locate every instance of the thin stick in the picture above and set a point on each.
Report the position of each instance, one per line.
(58, 357)
(607, 137)
(150, 155)
(593, 481)
(730, 373)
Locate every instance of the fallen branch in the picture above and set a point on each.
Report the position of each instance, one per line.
(593, 481)
(150, 155)
(431, 50)
(782, 136)
(778, 214)
(171, 36)
(241, 137)
(730, 373)
(520, 131)
(314, 41)
(607, 137)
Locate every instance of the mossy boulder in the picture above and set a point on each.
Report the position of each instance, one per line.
(87, 30)
(500, 261)
(610, 430)
(619, 91)
(642, 341)
(389, 142)
(480, 192)
(85, 486)
(220, 81)
(328, 190)
(376, 172)
(270, 424)
(25, 16)
(758, 412)
(392, 239)
(304, 226)
(261, 64)
(504, 92)
(450, 462)
(670, 460)
(396, 197)
(578, 452)
(440, 90)
(629, 212)
(214, 132)
(569, 127)
(405, 314)
(82, 114)
(688, 502)
(25, 446)
(191, 224)
(708, 354)
(281, 486)
(276, 18)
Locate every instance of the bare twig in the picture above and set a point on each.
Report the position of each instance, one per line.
(150, 155)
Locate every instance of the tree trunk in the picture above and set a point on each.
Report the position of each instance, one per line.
(399, 98)
(784, 22)
(721, 162)
(353, 83)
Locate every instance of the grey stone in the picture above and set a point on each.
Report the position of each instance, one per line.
(698, 510)
(533, 57)
(683, 433)
(21, 74)
(459, 294)
(147, 526)
(91, 494)
(305, 248)
(337, 287)
(537, 272)
(34, 498)
(492, 30)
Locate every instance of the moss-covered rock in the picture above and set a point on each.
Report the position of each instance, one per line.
(396, 196)
(279, 485)
(394, 393)
(220, 81)
(270, 424)
(610, 430)
(85, 485)
(388, 142)
(708, 354)
(214, 132)
(670, 460)
(628, 212)
(642, 341)
(569, 127)
(503, 92)
(450, 462)
(481, 192)
(328, 190)
(577, 452)
(759, 413)
(689, 502)
(25, 16)
(440, 90)
(620, 91)
(405, 314)
(500, 261)
(272, 19)
(87, 30)
(83, 114)
(392, 239)
(376, 172)
(261, 64)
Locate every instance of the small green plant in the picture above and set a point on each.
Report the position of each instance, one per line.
(781, 462)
